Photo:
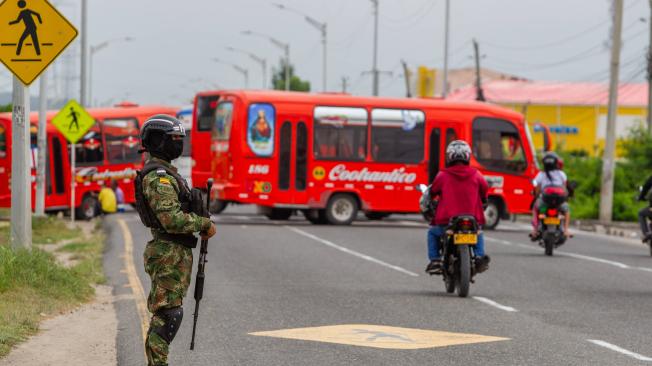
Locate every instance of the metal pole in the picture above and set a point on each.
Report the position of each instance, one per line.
(42, 145)
(73, 152)
(325, 62)
(84, 55)
(287, 67)
(90, 77)
(374, 69)
(264, 65)
(478, 77)
(246, 75)
(444, 88)
(649, 77)
(406, 74)
(608, 160)
(21, 192)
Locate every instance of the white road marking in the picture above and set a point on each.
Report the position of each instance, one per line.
(351, 252)
(615, 348)
(572, 255)
(412, 223)
(495, 304)
(134, 280)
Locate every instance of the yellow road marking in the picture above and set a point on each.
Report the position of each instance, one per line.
(134, 281)
(378, 336)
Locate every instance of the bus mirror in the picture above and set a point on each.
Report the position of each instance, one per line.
(422, 188)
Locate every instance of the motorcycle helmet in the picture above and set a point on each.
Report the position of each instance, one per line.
(458, 151)
(551, 161)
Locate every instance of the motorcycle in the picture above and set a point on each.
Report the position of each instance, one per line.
(457, 243)
(648, 197)
(551, 218)
(458, 256)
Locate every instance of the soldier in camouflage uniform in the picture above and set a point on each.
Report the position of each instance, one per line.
(168, 256)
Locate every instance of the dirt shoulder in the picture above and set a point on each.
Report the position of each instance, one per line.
(85, 336)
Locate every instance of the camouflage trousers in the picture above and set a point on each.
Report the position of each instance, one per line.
(169, 266)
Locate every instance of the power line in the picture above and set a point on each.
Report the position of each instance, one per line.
(562, 40)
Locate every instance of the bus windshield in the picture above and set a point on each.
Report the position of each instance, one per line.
(122, 140)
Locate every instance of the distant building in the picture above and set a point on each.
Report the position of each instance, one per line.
(462, 78)
(576, 112)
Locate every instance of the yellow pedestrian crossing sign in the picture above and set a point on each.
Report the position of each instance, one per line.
(73, 121)
(32, 35)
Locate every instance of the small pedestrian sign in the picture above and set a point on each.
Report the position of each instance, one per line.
(32, 35)
(73, 121)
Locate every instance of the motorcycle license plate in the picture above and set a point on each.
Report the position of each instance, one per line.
(551, 221)
(461, 239)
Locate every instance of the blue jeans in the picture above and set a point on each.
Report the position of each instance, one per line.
(435, 232)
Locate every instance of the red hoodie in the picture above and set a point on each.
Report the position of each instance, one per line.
(460, 189)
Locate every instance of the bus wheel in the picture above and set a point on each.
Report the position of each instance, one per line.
(217, 206)
(342, 209)
(375, 215)
(316, 217)
(492, 214)
(89, 208)
(279, 214)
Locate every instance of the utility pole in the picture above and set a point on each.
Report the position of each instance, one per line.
(374, 69)
(42, 144)
(84, 53)
(608, 160)
(649, 77)
(406, 74)
(345, 83)
(21, 193)
(444, 88)
(478, 79)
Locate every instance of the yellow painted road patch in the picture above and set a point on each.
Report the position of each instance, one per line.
(378, 336)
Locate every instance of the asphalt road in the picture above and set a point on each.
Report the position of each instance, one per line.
(590, 304)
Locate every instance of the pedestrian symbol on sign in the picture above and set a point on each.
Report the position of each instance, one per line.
(74, 115)
(27, 17)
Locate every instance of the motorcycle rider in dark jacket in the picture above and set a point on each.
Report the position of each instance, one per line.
(646, 213)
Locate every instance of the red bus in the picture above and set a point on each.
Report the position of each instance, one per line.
(332, 155)
(109, 151)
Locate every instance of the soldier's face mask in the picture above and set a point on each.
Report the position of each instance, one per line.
(173, 147)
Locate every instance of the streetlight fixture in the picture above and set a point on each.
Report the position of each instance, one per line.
(242, 70)
(320, 26)
(260, 60)
(284, 46)
(93, 50)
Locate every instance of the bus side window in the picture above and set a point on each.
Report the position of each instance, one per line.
(497, 145)
(340, 133)
(397, 136)
(122, 140)
(3, 142)
(206, 106)
(89, 150)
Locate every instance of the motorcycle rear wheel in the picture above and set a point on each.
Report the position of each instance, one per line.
(464, 271)
(449, 283)
(548, 243)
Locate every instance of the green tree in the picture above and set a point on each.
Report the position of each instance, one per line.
(278, 79)
(5, 108)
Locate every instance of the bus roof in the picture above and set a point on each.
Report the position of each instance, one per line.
(275, 96)
(112, 112)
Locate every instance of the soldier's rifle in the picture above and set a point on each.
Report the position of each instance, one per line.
(199, 280)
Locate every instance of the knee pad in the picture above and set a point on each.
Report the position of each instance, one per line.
(171, 321)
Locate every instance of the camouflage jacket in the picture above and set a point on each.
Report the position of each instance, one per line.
(162, 193)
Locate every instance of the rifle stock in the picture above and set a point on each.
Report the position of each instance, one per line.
(199, 280)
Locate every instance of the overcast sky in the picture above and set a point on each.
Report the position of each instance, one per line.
(174, 41)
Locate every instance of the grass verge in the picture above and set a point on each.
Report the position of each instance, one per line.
(34, 284)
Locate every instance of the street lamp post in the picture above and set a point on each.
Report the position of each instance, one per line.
(322, 27)
(242, 70)
(284, 46)
(95, 49)
(260, 60)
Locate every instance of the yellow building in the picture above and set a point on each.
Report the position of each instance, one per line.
(576, 113)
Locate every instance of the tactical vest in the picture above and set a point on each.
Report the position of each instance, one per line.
(191, 200)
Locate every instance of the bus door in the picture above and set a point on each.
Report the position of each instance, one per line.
(292, 170)
(56, 174)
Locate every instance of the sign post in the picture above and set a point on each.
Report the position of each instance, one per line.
(73, 122)
(39, 205)
(32, 35)
(21, 205)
